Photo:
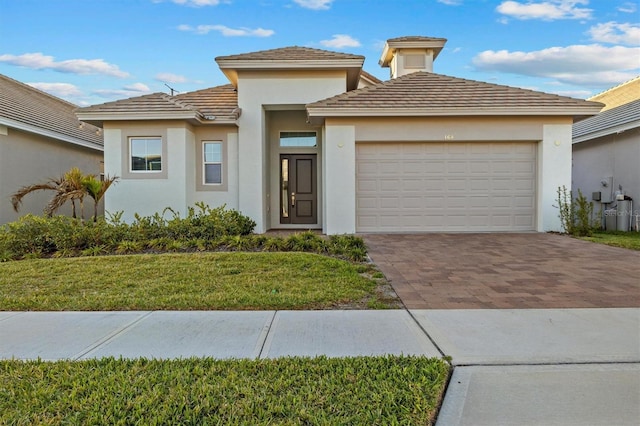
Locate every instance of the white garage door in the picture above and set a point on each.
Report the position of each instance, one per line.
(456, 186)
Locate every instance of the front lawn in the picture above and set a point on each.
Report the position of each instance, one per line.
(187, 281)
(291, 391)
(629, 240)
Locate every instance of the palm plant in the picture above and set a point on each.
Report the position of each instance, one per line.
(96, 188)
(71, 189)
(54, 184)
(72, 186)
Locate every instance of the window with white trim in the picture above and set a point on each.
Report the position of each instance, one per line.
(145, 154)
(212, 163)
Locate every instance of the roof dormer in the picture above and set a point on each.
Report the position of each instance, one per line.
(404, 55)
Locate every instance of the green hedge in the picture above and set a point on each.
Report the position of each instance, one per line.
(203, 229)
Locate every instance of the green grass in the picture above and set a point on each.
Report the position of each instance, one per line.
(286, 391)
(195, 281)
(628, 240)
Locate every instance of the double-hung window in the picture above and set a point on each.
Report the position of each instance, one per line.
(212, 164)
(146, 154)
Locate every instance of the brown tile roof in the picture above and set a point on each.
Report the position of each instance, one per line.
(294, 53)
(219, 101)
(424, 94)
(415, 38)
(28, 108)
(154, 102)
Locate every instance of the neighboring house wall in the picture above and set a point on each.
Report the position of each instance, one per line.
(260, 91)
(27, 158)
(615, 157)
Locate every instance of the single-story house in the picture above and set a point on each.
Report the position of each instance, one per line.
(302, 138)
(606, 149)
(40, 139)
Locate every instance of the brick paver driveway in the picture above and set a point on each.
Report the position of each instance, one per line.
(467, 271)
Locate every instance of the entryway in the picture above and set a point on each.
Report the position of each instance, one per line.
(298, 189)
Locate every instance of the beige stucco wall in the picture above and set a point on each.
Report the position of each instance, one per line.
(178, 186)
(614, 158)
(227, 193)
(270, 90)
(27, 158)
(553, 135)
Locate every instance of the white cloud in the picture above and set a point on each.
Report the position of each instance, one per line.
(588, 65)
(451, 2)
(136, 89)
(614, 33)
(167, 77)
(580, 94)
(546, 10)
(340, 41)
(628, 7)
(227, 31)
(314, 4)
(39, 61)
(62, 90)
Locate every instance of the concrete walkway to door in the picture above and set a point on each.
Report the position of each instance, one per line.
(506, 271)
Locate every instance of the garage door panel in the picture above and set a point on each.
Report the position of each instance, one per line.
(461, 186)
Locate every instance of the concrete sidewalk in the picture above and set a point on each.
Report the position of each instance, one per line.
(512, 367)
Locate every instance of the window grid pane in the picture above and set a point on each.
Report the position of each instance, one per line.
(212, 156)
(146, 154)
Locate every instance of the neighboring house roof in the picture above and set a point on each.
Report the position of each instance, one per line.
(620, 94)
(216, 103)
(29, 109)
(292, 58)
(614, 120)
(429, 94)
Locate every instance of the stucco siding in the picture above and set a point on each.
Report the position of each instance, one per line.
(554, 171)
(340, 179)
(27, 158)
(257, 92)
(146, 194)
(615, 156)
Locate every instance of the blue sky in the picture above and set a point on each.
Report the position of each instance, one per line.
(94, 51)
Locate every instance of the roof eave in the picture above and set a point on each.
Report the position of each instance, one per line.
(266, 64)
(55, 135)
(100, 117)
(621, 128)
(426, 112)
